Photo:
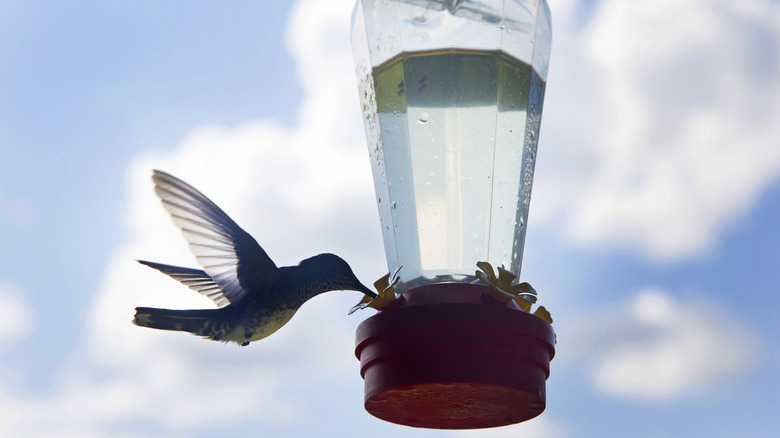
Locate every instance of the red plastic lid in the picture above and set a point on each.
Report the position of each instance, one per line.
(449, 356)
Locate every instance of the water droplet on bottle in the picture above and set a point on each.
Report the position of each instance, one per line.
(392, 205)
(424, 117)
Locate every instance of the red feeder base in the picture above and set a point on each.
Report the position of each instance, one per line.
(449, 356)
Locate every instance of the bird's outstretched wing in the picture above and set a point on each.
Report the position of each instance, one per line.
(228, 254)
(195, 279)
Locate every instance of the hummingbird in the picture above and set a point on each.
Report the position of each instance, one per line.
(254, 297)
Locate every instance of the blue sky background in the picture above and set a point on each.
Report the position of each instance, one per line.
(652, 235)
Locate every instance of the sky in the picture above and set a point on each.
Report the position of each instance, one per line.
(652, 234)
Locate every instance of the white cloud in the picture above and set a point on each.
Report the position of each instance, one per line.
(660, 122)
(16, 317)
(659, 347)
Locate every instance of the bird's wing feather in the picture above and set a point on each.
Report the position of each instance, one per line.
(195, 279)
(228, 254)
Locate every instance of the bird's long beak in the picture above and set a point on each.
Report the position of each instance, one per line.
(367, 291)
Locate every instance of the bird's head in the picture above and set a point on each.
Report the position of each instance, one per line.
(334, 273)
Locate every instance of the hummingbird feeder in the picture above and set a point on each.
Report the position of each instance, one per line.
(452, 94)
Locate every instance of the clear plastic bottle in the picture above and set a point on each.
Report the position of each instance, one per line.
(452, 95)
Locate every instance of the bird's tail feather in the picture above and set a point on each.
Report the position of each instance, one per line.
(206, 323)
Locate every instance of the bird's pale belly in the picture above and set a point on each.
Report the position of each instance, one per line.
(266, 327)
